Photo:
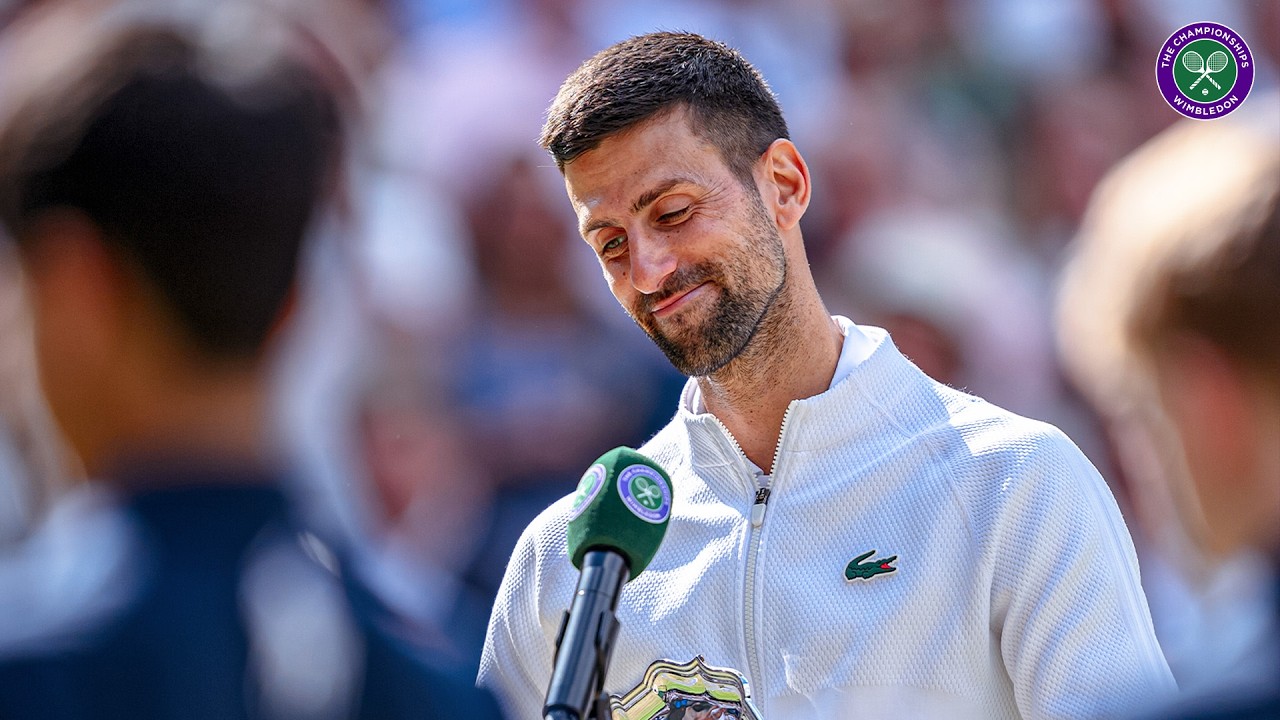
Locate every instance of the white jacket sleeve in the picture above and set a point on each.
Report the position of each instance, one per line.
(517, 658)
(1074, 628)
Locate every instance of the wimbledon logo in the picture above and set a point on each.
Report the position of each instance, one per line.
(1204, 70)
(644, 493)
(588, 488)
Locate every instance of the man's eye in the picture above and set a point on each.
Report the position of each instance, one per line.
(673, 215)
(613, 244)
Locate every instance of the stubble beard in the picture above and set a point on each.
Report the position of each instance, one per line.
(736, 319)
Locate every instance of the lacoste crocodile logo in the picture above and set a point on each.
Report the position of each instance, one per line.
(867, 570)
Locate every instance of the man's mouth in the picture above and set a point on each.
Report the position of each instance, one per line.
(672, 303)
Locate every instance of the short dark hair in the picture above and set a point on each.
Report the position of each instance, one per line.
(204, 178)
(639, 78)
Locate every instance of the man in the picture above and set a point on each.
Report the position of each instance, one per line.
(855, 539)
(1182, 245)
(158, 173)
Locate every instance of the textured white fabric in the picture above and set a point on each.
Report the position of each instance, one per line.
(856, 348)
(1016, 593)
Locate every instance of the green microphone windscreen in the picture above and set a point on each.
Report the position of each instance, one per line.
(623, 504)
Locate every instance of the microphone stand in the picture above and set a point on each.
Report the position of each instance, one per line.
(603, 574)
(599, 710)
(603, 709)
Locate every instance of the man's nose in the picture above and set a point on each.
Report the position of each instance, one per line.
(652, 260)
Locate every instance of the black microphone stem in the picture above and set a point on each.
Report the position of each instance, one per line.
(586, 641)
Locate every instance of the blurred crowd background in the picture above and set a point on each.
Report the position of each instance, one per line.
(457, 362)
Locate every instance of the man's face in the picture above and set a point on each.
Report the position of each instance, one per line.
(692, 255)
(1217, 422)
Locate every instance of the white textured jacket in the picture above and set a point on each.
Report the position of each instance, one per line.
(1015, 591)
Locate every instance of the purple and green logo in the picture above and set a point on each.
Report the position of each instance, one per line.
(1205, 70)
(645, 493)
(588, 488)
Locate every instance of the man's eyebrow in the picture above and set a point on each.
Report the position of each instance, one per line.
(595, 225)
(649, 196)
(646, 198)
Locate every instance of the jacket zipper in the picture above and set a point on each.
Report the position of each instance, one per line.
(758, 510)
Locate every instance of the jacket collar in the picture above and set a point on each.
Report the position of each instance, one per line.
(853, 406)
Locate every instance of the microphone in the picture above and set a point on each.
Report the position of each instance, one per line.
(616, 523)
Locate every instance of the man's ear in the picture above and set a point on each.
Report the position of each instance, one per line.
(77, 286)
(1209, 397)
(1225, 433)
(787, 184)
(77, 298)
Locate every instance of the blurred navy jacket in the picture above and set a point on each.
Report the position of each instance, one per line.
(1255, 698)
(198, 597)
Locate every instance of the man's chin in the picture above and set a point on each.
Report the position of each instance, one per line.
(685, 342)
(693, 362)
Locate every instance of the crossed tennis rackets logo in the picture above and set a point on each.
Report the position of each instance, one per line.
(1218, 60)
(1204, 70)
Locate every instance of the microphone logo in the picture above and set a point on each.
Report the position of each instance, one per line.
(588, 488)
(618, 524)
(644, 493)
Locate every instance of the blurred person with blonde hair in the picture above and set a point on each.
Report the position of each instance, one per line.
(160, 169)
(1170, 320)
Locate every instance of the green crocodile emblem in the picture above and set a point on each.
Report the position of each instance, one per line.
(867, 570)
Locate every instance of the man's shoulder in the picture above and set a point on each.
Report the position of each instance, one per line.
(544, 538)
(542, 544)
(956, 424)
(669, 447)
(983, 432)
(542, 550)
(999, 462)
(71, 581)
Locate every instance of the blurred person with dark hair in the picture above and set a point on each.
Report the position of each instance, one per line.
(849, 535)
(159, 174)
(1170, 319)
(429, 498)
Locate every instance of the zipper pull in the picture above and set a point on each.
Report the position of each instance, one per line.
(757, 510)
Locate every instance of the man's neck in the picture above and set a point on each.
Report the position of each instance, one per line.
(793, 356)
(219, 420)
